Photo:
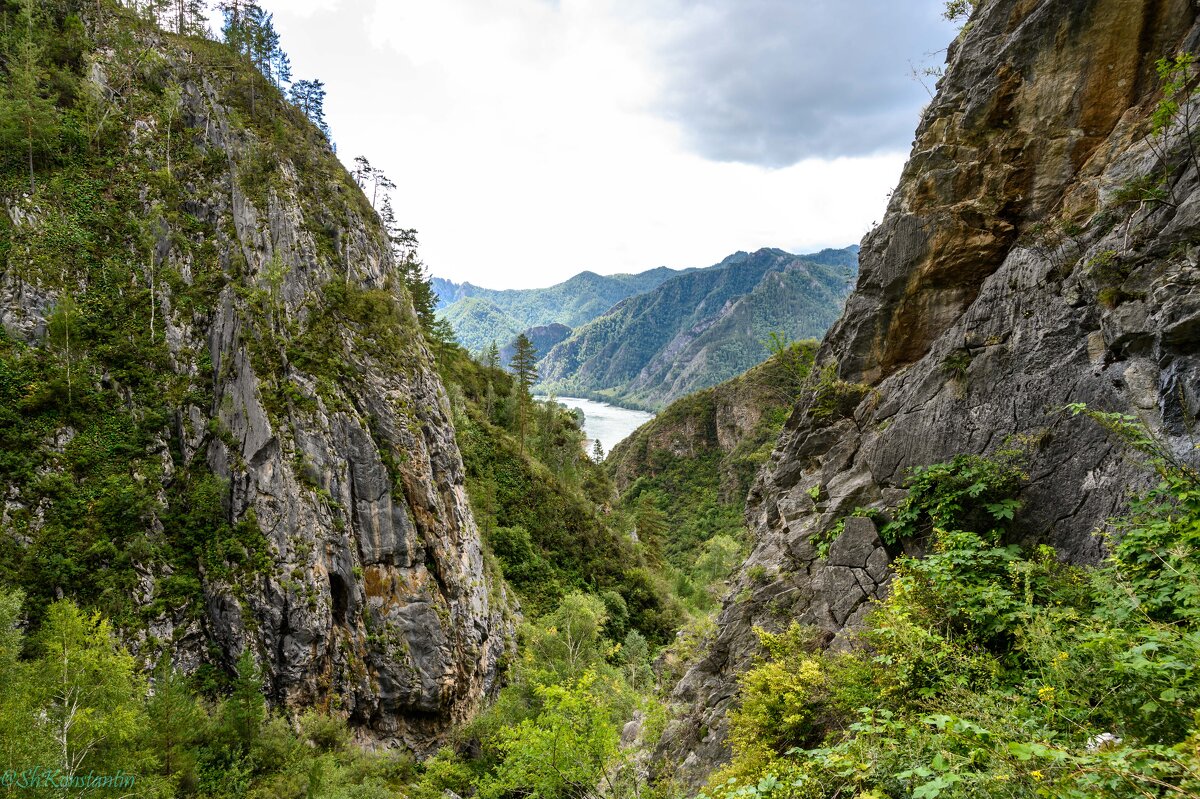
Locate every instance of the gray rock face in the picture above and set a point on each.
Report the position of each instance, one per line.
(376, 604)
(1015, 272)
(324, 415)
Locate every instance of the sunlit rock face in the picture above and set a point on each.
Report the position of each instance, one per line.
(1019, 268)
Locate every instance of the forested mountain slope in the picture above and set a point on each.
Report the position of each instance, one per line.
(700, 328)
(695, 461)
(221, 425)
(480, 316)
(1040, 250)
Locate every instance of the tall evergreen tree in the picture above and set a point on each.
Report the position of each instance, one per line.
(190, 17)
(491, 356)
(309, 97)
(245, 711)
(524, 363)
(234, 30)
(28, 117)
(362, 171)
(524, 366)
(251, 32)
(417, 280)
(175, 720)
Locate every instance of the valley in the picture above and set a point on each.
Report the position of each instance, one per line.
(286, 516)
(607, 424)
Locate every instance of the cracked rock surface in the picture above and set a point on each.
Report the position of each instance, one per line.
(1012, 275)
(326, 422)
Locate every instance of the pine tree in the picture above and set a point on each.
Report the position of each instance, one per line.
(524, 367)
(491, 356)
(417, 280)
(245, 711)
(190, 17)
(598, 452)
(174, 719)
(524, 363)
(309, 97)
(28, 116)
(362, 171)
(234, 30)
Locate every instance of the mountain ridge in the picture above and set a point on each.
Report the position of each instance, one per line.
(575, 301)
(652, 348)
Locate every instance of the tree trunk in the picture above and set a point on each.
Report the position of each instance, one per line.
(29, 136)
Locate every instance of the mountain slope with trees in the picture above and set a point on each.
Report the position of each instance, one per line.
(974, 559)
(701, 328)
(221, 421)
(572, 303)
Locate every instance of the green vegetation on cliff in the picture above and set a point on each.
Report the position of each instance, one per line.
(992, 670)
(545, 508)
(685, 474)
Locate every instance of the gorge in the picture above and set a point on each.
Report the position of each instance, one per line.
(916, 519)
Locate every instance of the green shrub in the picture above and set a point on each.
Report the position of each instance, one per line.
(970, 492)
(995, 672)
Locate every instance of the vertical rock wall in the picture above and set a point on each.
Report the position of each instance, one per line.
(308, 392)
(1018, 269)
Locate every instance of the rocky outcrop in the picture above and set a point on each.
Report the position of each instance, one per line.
(722, 433)
(1041, 249)
(314, 401)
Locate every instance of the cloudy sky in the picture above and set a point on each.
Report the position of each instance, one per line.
(533, 139)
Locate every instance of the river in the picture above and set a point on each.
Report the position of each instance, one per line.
(606, 422)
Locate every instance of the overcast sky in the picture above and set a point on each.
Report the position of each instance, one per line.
(533, 139)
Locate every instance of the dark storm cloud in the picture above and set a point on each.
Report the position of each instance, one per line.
(771, 82)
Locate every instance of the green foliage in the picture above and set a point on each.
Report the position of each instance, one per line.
(971, 492)
(554, 729)
(958, 9)
(524, 362)
(543, 504)
(993, 671)
(29, 118)
(565, 752)
(1175, 75)
(74, 700)
(1109, 272)
(476, 322)
(834, 398)
(956, 363)
(678, 470)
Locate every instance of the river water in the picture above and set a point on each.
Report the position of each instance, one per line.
(606, 422)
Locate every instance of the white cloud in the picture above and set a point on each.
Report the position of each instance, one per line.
(524, 137)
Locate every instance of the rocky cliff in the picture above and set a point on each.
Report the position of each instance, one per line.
(1040, 249)
(212, 315)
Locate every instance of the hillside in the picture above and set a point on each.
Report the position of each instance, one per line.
(700, 328)
(480, 316)
(543, 338)
(268, 532)
(696, 459)
(222, 426)
(478, 322)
